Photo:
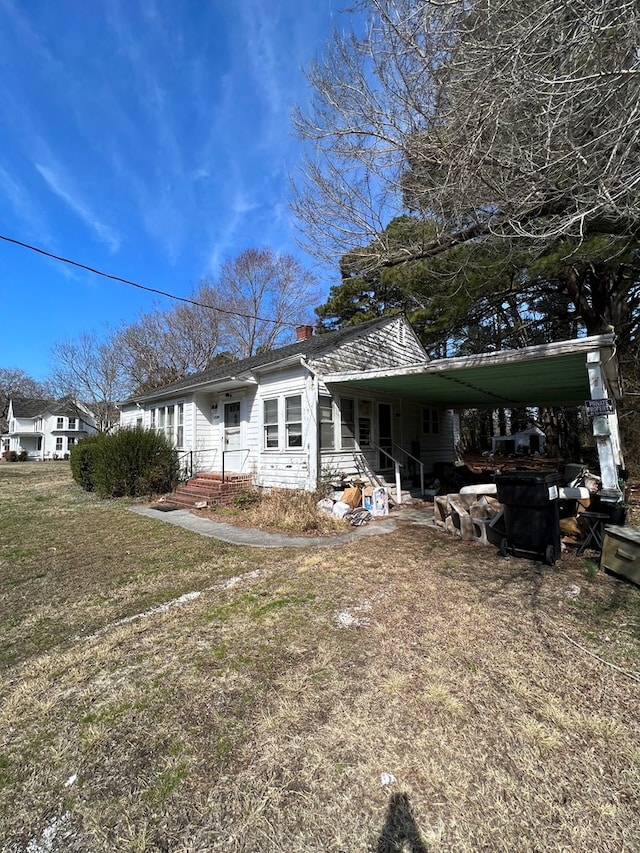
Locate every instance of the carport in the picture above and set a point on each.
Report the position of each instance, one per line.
(583, 371)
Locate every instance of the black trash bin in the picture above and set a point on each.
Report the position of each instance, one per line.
(531, 516)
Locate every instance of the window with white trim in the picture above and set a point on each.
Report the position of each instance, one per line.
(59, 424)
(72, 423)
(59, 444)
(293, 421)
(152, 418)
(270, 420)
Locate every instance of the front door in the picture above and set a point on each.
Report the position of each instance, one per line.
(385, 438)
(232, 437)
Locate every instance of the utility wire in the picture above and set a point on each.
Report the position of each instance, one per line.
(142, 286)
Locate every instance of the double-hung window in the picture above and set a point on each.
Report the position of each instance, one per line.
(347, 422)
(180, 426)
(327, 439)
(169, 424)
(282, 423)
(59, 423)
(72, 423)
(364, 423)
(293, 421)
(430, 421)
(270, 414)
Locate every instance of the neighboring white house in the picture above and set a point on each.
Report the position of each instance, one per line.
(46, 429)
(273, 415)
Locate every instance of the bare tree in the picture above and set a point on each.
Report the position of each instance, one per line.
(490, 119)
(88, 369)
(163, 346)
(264, 295)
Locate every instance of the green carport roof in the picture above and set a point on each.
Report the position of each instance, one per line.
(548, 374)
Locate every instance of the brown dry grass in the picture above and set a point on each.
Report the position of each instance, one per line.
(280, 510)
(248, 719)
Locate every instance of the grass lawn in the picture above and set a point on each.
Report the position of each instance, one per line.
(166, 692)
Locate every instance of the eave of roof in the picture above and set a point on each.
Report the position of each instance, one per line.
(547, 374)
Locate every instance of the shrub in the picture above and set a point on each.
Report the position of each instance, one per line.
(10, 456)
(23, 456)
(135, 462)
(130, 462)
(83, 461)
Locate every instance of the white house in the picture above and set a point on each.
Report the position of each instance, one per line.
(275, 417)
(368, 400)
(46, 429)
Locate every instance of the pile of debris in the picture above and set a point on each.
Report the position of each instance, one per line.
(356, 500)
(475, 513)
(472, 513)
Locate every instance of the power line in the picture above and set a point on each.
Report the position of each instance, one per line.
(142, 286)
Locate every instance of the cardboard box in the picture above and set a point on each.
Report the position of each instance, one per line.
(352, 496)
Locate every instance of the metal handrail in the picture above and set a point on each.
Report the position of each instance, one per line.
(397, 465)
(246, 450)
(415, 459)
(191, 455)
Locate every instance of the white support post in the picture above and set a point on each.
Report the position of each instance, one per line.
(398, 483)
(605, 430)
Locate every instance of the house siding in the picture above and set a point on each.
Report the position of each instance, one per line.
(393, 345)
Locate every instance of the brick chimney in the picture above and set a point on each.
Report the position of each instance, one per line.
(303, 333)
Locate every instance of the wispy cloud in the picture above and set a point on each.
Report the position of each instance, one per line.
(64, 190)
(17, 196)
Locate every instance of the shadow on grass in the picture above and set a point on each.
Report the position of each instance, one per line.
(400, 833)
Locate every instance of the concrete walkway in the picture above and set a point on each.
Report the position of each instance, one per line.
(236, 535)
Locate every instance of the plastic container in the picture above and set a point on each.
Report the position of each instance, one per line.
(531, 515)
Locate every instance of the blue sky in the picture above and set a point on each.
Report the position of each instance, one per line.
(150, 139)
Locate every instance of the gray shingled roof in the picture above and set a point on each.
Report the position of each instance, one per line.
(33, 407)
(29, 407)
(314, 346)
